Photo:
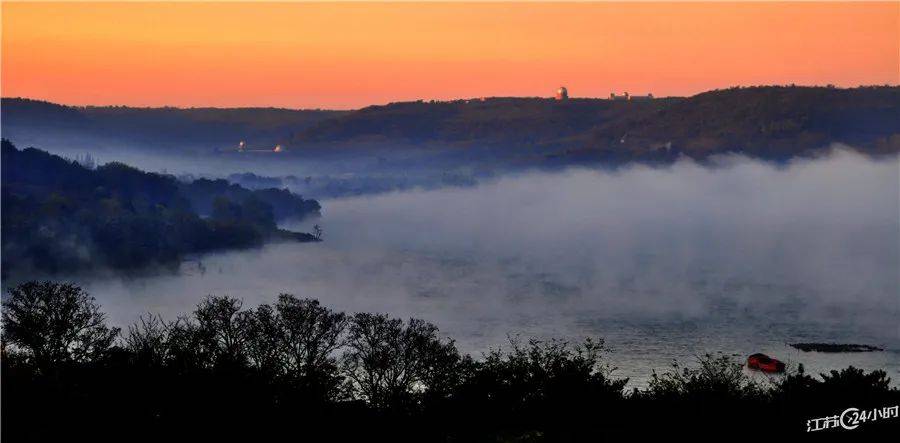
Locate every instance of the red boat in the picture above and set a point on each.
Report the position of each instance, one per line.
(762, 362)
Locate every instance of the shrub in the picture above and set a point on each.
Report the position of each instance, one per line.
(716, 378)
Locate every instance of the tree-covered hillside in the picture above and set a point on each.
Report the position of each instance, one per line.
(59, 216)
(768, 122)
(771, 122)
(774, 123)
(509, 121)
(166, 127)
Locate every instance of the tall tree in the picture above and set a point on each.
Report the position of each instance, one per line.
(55, 323)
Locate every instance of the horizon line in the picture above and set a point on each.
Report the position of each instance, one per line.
(426, 100)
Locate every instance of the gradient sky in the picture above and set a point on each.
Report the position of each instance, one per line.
(351, 55)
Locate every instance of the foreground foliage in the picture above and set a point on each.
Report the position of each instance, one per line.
(296, 368)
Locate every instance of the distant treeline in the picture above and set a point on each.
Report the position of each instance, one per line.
(60, 216)
(298, 370)
(328, 186)
(166, 127)
(767, 122)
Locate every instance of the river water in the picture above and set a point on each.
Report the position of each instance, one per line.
(663, 264)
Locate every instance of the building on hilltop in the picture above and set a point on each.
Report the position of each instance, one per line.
(562, 93)
(628, 97)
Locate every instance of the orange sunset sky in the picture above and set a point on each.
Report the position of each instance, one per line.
(342, 55)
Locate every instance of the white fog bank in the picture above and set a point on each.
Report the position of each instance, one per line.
(739, 256)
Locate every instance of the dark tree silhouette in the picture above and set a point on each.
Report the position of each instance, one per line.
(717, 376)
(186, 346)
(254, 372)
(221, 330)
(55, 323)
(317, 231)
(148, 340)
(389, 362)
(312, 333)
(264, 344)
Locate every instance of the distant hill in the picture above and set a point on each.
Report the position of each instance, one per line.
(768, 122)
(771, 122)
(159, 126)
(765, 122)
(508, 121)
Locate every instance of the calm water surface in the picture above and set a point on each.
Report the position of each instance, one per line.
(663, 264)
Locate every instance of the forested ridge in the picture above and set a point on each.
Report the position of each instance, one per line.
(60, 216)
(767, 122)
(167, 127)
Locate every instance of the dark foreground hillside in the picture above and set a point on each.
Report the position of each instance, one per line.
(60, 216)
(296, 370)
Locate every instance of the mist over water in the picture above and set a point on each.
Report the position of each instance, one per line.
(662, 262)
